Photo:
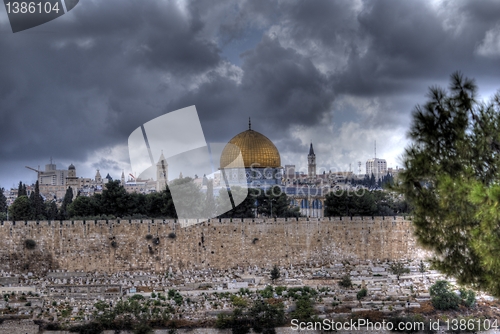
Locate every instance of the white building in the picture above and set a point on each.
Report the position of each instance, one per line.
(377, 167)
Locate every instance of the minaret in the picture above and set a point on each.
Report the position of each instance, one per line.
(311, 161)
(123, 178)
(161, 173)
(98, 178)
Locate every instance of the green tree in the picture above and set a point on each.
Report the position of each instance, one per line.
(421, 268)
(115, 200)
(451, 178)
(21, 190)
(21, 209)
(275, 203)
(304, 310)
(245, 209)
(3, 201)
(275, 273)
(37, 203)
(160, 204)
(82, 206)
(361, 294)
(442, 297)
(345, 282)
(265, 316)
(188, 197)
(51, 210)
(398, 268)
(68, 199)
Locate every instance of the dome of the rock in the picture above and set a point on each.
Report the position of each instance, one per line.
(256, 149)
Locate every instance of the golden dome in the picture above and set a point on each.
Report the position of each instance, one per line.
(255, 149)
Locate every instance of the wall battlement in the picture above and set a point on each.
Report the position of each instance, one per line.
(156, 245)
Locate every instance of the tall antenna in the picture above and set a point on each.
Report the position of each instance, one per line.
(359, 167)
(249, 124)
(375, 149)
(349, 168)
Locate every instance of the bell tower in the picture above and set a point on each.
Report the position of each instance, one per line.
(161, 173)
(311, 163)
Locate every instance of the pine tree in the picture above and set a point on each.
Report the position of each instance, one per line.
(451, 178)
(3, 200)
(275, 273)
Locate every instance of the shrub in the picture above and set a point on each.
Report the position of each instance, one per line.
(304, 310)
(114, 244)
(442, 296)
(137, 297)
(238, 301)
(268, 292)
(280, 289)
(223, 321)
(149, 237)
(361, 293)
(398, 269)
(172, 235)
(30, 244)
(178, 299)
(275, 273)
(176, 296)
(345, 282)
(468, 297)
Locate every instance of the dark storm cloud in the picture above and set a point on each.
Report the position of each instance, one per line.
(279, 88)
(409, 44)
(85, 81)
(331, 23)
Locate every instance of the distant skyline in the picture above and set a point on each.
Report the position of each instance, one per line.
(339, 74)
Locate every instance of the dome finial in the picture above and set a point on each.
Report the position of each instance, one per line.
(249, 124)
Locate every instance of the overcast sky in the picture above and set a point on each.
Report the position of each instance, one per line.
(340, 74)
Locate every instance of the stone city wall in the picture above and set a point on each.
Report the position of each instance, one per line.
(111, 246)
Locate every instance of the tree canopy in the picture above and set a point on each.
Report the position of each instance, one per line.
(452, 179)
(21, 209)
(3, 201)
(364, 203)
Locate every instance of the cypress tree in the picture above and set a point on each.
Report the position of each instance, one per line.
(20, 189)
(68, 198)
(52, 211)
(38, 207)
